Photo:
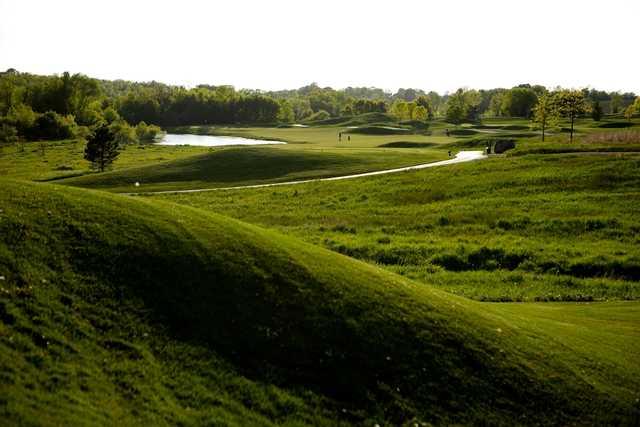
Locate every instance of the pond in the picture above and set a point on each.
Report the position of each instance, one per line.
(211, 140)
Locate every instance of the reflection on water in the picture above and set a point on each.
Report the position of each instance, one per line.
(211, 140)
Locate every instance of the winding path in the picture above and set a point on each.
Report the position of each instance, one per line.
(461, 157)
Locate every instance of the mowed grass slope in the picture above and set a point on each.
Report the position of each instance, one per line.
(251, 165)
(119, 310)
(47, 160)
(526, 228)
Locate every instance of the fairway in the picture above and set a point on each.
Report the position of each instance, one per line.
(232, 167)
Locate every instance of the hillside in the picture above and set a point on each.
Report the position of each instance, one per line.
(557, 227)
(249, 165)
(116, 310)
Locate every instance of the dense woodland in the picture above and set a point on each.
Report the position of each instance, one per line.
(73, 105)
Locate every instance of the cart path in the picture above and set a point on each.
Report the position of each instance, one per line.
(461, 157)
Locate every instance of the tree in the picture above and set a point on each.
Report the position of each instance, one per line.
(400, 109)
(456, 108)
(495, 104)
(8, 133)
(628, 112)
(424, 102)
(52, 125)
(420, 113)
(463, 105)
(545, 113)
(285, 112)
(596, 111)
(616, 102)
(147, 133)
(518, 102)
(571, 104)
(102, 148)
(123, 132)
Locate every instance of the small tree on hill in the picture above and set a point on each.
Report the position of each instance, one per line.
(545, 113)
(571, 104)
(102, 148)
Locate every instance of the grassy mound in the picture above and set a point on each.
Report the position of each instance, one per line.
(479, 143)
(408, 144)
(362, 119)
(522, 228)
(379, 130)
(121, 310)
(243, 166)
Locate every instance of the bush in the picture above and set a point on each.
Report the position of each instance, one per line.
(22, 117)
(615, 125)
(8, 133)
(52, 125)
(147, 133)
(124, 133)
(502, 145)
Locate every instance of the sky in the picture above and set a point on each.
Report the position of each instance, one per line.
(285, 44)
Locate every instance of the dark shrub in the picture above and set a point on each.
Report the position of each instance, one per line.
(52, 125)
(407, 144)
(515, 127)
(502, 145)
(615, 125)
(463, 132)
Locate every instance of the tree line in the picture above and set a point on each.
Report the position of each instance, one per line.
(74, 105)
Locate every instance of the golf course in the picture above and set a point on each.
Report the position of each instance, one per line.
(338, 214)
(502, 288)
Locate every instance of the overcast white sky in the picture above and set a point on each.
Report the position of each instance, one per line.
(432, 45)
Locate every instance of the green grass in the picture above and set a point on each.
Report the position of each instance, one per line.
(251, 165)
(117, 310)
(121, 310)
(65, 158)
(525, 228)
(322, 136)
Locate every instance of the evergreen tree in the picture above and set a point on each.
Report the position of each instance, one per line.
(102, 148)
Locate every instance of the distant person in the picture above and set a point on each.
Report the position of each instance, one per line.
(340, 136)
(348, 137)
(447, 131)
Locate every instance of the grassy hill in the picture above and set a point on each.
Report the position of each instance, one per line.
(118, 310)
(524, 228)
(250, 165)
